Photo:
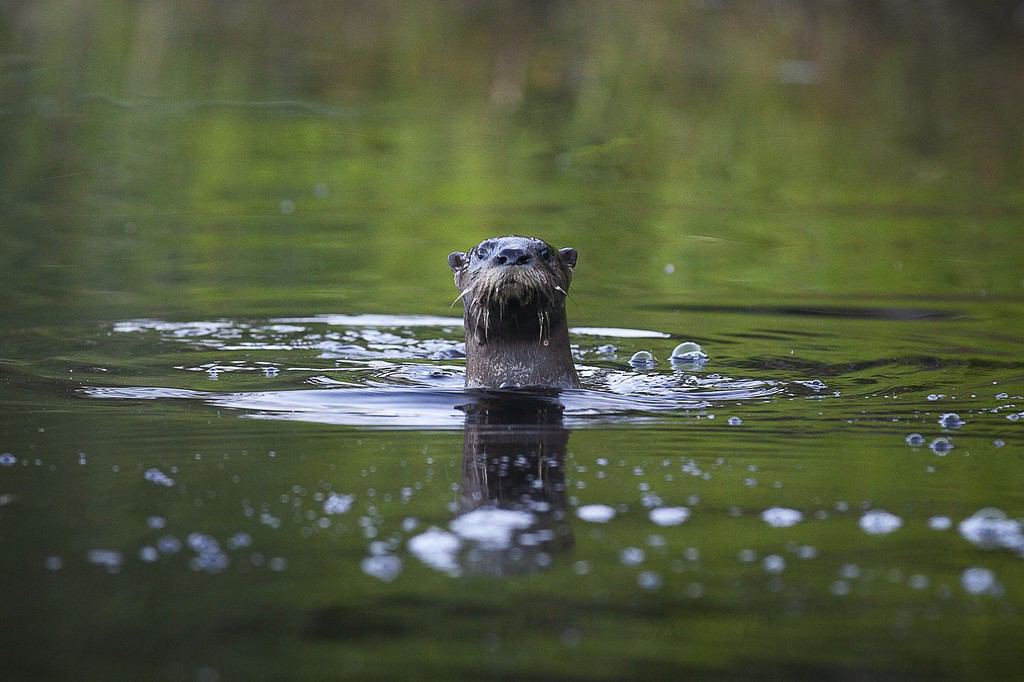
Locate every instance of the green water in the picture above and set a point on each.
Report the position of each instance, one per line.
(198, 199)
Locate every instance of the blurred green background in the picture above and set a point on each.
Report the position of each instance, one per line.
(242, 158)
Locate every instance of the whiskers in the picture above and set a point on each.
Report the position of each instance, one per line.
(494, 298)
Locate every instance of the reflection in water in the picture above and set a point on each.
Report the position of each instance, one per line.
(513, 498)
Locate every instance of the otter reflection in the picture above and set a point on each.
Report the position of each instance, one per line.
(513, 498)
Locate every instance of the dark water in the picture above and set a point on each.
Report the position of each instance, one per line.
(233, 438)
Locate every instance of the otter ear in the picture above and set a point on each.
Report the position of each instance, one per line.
(456, 260)
(568, 256)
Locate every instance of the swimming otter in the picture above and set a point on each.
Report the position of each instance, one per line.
(513, 291)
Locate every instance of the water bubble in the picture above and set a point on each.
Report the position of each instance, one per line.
(631, 556)
(1002, 396)
(437, 549)
(914, 440)
(596, 513)
(951, 420)
(642, 360)
(688, 353)
(999, 443)
(918, 581)
(669, 516)
(935, 396)
(148, 554)
(773, 563)
(385, 567)
(53, 563)
(581, 567)
(981, 581)
(840, 588)
(606, 349)
(277, 564)
(941, 446)
(990, 528)
(849, 571)
(8, 460)
(168, 544)
(806, 551)
(158, 477)
(156, 522)
(649, 580)
(747, 556)
(880, 522)
(940, 523)
(287, 207)
(781, 517)
(239, 540)
(110, 559)
(209, 557)
(338, 504)
(1017, 416)
(491, 528)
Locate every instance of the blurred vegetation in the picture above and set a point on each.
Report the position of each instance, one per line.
(285, 154)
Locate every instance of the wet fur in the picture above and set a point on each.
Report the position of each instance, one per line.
(516, 329)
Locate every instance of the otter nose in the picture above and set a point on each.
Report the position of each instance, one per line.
(512, 257)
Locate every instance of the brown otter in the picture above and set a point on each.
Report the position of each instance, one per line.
(513, 291)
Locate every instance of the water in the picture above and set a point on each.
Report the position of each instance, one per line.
(234, 441)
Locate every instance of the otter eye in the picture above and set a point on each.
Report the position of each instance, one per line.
(482, 251)
(545, 254)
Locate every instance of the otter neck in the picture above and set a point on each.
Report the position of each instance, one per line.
(519, 347)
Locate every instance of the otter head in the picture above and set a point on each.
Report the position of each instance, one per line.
(514, 290)
(513, 287)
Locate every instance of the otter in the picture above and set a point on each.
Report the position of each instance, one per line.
(513, 291)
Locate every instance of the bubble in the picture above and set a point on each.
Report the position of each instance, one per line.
(277, 564)
(158, 477)
(491, 528)
(935, 396)
(642, 360)
(1002, 396)
(8, 460)
(880, 522)
(148, 554)
(981, 581)
(941, 446)
(669, 516)
(338, 504)
(631, 556)
(287, 207)
(649, 580)
(385, 567)
(951, 420)
(781, 517)
(156, 522)
(596, 513)
(839, 588)
(914, 440)
(110, 559)
(990, 528)
(940, 523)
(53, 563)
(437, 549)
(918, 581)
(773, 563)
(239, 540)
(734, 421)
(168, 544)
(747, 556)
(688, 353)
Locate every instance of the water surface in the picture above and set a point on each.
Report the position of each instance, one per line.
(234, 441)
